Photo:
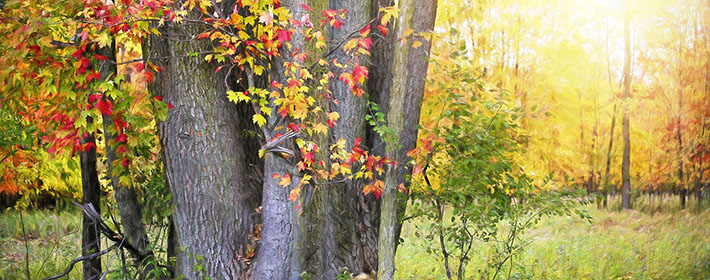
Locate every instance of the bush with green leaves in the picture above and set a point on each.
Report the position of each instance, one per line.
(469, 181)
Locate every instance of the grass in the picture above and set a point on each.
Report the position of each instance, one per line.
(659, 242)
(54, 239)
(632, 244)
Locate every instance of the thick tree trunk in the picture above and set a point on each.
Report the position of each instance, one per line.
(626, 187)
(279, 252)
(409, 78)
(278, 256)
(91, 195)
(341, 222)
(214, 206)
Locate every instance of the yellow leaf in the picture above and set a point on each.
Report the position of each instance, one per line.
(408, 32)
(416, 44)
(285, 180)
(320, 128)
(293, 196)
(333, 116)
(258, 119)
(350, 45)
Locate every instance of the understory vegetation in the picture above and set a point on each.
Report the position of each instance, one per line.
(660, 241)
(665, 243)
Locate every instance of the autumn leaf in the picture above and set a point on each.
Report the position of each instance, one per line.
(259, 119)
(285, 180)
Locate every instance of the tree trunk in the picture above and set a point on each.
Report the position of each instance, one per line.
(214, 206)
(626, 187)
(341, 222)
(91, 195)
(278, 255)
(409, 78)
(126, 198)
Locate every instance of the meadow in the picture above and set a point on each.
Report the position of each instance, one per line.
(659, 241)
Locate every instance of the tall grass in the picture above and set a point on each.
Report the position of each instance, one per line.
(659, 241)
(53, 240)
(648, 244)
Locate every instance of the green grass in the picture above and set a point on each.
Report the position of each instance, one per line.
(616, 245)
(659, 242)
(54, 239)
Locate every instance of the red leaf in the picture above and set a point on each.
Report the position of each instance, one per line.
(382, 29)
(93, 98)
(105, 107)
(100, 57)
(140, 66)
(337, 23)
(283, 36)
(148, 76)
(92, 76)
(122, 138)
(88, 146)
(125, 162)
(305, 7)
(293, 127)
(365, 30)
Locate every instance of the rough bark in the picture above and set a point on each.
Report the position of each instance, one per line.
(409, 78)
(91, 195)
(278, 255)
(340, 229)
(626, 179)
(214, 210)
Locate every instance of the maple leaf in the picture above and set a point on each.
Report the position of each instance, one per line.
(337, 23)
(285, 180)
(365, 43)
(259, 119)
(360, 73)
(92, 76)
(105, 107)
(365, 31)
(383, 30)
(374, 188)
(293, 195)
(265, 18)
(333, 118)
(283, 36)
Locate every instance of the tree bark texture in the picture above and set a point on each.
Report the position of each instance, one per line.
(214, 206)
(91, 194)
(341, 222)
(278, 256)
(409, 78)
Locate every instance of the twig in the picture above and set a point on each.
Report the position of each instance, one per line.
(82, 258)
(27, 247)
